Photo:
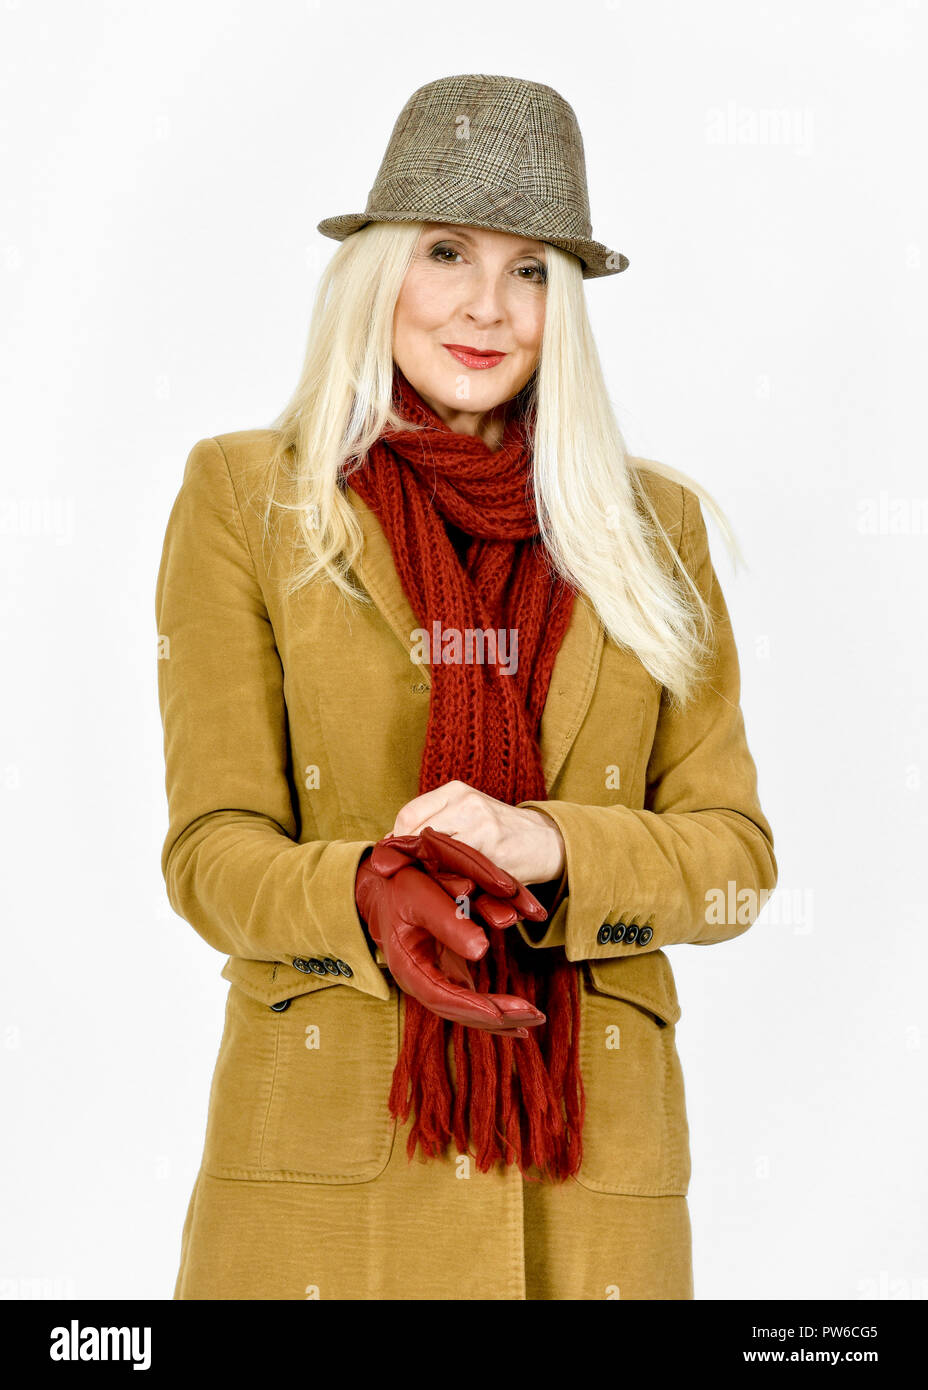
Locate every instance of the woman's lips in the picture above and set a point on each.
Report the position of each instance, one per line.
(478, 360)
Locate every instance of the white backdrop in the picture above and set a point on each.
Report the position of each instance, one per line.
(763, 168)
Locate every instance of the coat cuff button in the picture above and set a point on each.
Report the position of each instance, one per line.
(619, 931)
(631, 934)
(300, 963)
(604, 934)
(344, 969)
(644, 936)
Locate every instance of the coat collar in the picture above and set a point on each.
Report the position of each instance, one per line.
(576, 666)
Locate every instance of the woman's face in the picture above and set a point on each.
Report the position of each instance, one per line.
(468, 287)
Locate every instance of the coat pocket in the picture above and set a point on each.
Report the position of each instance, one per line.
(300, 1087)
(635, 1134)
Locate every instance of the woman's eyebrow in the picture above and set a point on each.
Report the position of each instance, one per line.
(468, 236)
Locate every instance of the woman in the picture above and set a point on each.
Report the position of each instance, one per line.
(453, 751)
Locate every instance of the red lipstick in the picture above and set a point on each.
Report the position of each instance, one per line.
(477, 358)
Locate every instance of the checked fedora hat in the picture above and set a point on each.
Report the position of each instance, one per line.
(486, 151)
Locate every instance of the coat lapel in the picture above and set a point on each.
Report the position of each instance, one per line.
(576, 666)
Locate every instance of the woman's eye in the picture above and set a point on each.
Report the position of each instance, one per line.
(535, 274)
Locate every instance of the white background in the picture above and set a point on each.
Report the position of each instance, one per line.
(164, 170)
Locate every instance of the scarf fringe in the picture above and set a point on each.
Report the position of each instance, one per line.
(484, 1118)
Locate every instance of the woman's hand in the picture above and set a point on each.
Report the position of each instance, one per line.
(524, 842)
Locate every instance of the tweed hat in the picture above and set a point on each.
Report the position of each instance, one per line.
(485, 151)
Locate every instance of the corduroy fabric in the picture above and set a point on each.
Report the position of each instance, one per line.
(305, 1189)
(515, 1100)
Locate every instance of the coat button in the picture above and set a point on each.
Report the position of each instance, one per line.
(618, 931)
(344, 969)
(604, 934)
(631, 934)
(299, 963)
(284, 1004)
(330, 965)
(316, 965)
(644, 936)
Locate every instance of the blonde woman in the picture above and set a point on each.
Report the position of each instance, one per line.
(453, 753)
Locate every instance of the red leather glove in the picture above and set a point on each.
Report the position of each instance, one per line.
(459, 868)
(427, 943)
(502, 900)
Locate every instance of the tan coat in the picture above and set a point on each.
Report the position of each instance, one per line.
(293, 735)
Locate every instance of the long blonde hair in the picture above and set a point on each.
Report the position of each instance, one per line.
(597, 523)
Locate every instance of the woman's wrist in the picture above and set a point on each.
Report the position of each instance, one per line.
(554, 855)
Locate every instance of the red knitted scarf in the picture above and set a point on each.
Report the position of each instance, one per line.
(518, 1100)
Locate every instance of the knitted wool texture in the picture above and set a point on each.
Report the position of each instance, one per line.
(512, 1100)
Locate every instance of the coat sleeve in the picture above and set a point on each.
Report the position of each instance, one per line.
(231, 860)
(697, 864)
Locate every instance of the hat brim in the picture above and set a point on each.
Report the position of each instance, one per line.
(597, 260)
